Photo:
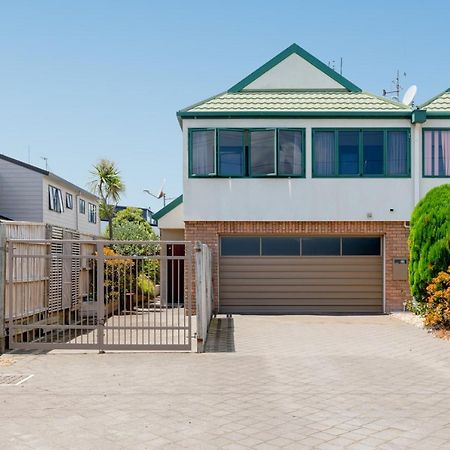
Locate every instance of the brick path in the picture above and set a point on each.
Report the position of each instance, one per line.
(295, 382)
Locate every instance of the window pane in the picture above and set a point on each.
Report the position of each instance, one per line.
(437, 153)
(373, 148)
(240, 246)
(231, 153)
(361, 246)
(324, 153)
(262, 152)
(290, 152)
(348, 153)
(397, 153)
(323, 246)
(280, 246)
(202, 147)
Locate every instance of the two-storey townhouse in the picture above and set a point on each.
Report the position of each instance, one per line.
(29, 193)
(303, 185)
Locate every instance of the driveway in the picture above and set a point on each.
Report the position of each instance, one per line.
(295, 382)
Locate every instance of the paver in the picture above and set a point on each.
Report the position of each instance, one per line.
(294, 382)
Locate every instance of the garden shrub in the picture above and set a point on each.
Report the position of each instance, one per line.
(429, 240)
(438, 303)
(145, 286)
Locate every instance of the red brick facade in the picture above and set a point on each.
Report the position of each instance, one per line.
(395, 234)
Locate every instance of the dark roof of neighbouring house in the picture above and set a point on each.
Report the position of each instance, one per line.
(46, 173)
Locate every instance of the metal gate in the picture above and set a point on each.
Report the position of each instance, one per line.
(123, 295)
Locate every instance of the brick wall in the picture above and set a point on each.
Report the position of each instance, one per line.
(396, 243)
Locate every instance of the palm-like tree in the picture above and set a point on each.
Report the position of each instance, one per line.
(108, 185)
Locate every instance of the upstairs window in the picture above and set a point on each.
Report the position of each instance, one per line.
(436, 153)
(92, 213)
(361, 153)
(246, 153)
(69, 200)
(82, 206)
(55, 199)
(203, 153)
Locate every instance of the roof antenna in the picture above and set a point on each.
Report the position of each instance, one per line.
(46, 162)
(397, 87)
(342, 61)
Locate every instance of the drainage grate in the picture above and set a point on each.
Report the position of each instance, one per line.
(13, 380)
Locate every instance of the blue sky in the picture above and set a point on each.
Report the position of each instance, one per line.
(85, 79)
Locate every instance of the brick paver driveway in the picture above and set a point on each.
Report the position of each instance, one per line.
(292, 382)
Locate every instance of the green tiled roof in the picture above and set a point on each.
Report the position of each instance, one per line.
(295, 102)
(440, 103)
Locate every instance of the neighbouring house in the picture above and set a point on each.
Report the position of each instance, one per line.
(31, 194)
(303, 185)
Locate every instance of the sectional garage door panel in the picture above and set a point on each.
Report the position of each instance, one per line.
(301, 284)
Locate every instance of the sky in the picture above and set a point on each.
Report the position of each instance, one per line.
(82, 80)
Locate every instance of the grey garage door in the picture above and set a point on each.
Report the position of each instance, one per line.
(300, 275)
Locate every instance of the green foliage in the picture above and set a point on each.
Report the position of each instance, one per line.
(145, 286)
(429, 240)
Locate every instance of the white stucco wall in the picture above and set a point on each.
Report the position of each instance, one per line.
(294, 73)
(173, 219)
(69, 218)
(310, 198)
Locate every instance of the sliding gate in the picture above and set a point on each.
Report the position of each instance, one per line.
(92, 294)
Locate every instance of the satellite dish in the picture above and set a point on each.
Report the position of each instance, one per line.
(409, 95)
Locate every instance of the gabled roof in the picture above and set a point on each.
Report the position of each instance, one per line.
(438, 105)
(48, 174)
(295, 49)
(169, 207)
(296, 104)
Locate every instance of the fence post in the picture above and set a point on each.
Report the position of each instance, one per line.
(198, 295)
(2, 289)
(100, 296)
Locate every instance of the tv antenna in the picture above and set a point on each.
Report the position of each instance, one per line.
(160, 194)
(332, 65)
(397, 87)
(46, 162)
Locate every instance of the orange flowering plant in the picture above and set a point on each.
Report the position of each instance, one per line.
(438, 301)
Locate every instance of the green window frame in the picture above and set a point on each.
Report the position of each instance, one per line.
(424, 130)
(361, 174)
(247, 171)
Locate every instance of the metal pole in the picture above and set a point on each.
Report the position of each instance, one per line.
(100, 297)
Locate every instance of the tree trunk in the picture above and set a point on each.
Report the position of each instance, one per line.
(110, 228)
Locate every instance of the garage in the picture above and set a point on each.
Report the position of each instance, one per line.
(300, 274)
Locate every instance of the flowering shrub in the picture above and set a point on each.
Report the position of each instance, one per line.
(437, 313)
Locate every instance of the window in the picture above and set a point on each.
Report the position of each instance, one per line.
(321, 246)
(92, 213)
(82, 206)
(361, 152)
(231, 153)
(280, 246)
(436, 153)
(55, 200)
(300, 246)
(290, 153)
(69, 200)
(240, 246)
(203, 153)
(246, 153)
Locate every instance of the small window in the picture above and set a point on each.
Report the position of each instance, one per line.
(373, 152)
(324, 164)
(321, 246)
(360, 246)
(240, 246)
(397, 163)
(69, 200)
(82, 206)
(436, 153)
(280, 246)
(231, 153)
(203, 161)
(55, 199)
(290, 153)
(262, 152)
(92, 213)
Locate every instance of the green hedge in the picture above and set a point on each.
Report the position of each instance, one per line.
(429, 240)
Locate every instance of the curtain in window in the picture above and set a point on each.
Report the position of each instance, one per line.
(324, 153)
(203, 152)
(397, 153)
(437, 153)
